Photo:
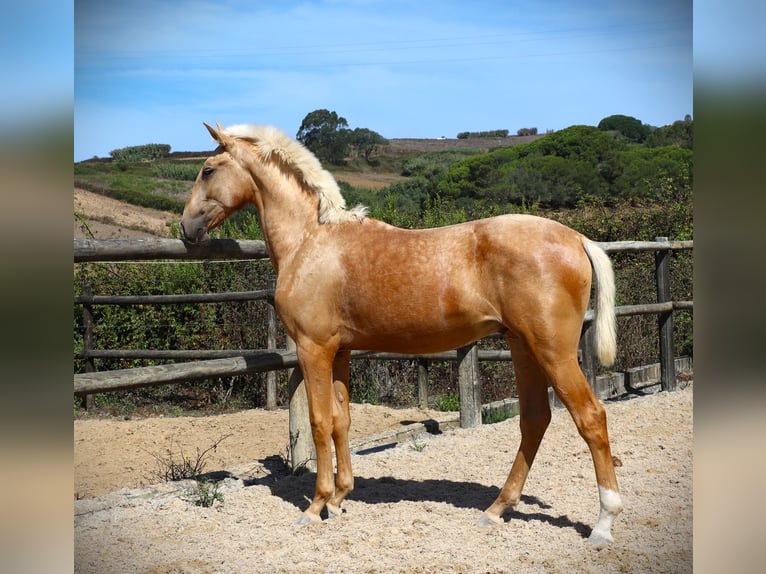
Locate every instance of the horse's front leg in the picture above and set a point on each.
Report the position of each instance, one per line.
(344, 479)
(316, 364)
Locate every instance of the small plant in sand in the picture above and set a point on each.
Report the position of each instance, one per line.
(206, 494)
(417, 445)
(171, 468)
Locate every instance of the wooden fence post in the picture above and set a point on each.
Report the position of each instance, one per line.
(271, 343)
(470, 386)
(302, 452)
(87, 338)
(665, 320)
(423, 383)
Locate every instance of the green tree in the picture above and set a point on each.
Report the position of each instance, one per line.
(679, 133)
(326, 134)
(527, 132)
(628, 126)
(364, 142)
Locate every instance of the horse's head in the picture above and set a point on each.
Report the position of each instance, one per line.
(222, 187)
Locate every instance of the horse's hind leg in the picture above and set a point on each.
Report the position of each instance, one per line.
(589, 416)
(534, 417)
(341, 416)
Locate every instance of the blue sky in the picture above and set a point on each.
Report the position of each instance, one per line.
(153, 71)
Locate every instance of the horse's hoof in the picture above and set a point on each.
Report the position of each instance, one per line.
(487, 521)
(307, 519)
(333, 512)
(597, 538)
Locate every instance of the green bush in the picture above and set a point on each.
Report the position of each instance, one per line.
(141, 152)
(564, 168)
(447, 403)
(181, 170)
(485, 134)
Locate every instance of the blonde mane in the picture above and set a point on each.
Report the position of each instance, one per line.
(305, 166)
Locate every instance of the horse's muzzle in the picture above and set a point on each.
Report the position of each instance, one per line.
(194, 230)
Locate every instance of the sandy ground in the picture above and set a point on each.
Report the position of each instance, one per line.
(109, 218)
(414, 506)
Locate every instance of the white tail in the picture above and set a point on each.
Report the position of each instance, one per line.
(606, 332)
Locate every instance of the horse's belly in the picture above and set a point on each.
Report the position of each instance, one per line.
(417, 337)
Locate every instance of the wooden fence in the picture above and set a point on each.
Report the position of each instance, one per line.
(206, 364)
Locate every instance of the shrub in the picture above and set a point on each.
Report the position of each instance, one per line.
(181, 170)
(141, 152)
(449, 402)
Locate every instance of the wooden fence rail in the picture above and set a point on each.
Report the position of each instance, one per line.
(228, 363)
(156, 248)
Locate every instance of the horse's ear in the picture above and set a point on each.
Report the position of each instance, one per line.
(214, 133)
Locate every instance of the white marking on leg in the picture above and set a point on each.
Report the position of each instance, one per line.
(611, 506)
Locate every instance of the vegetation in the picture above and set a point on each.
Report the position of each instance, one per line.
(602, 183)
(527, 132)
(141, 152)
(417, 445)
(488, 134)
(490, 417)
(629, 127)
(327, 135)
(169, 468)
(205, 494)
(364, 142)
(563, 169)
(447, 403)
(161, 184)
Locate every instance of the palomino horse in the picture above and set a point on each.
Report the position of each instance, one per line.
(345, 281)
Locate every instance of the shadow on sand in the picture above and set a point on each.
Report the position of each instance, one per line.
(386, 489)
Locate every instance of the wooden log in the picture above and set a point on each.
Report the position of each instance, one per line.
(271, 342)
(423, 383)
(484, 355)
(221, 249)
(628, 246)
(178, 299)
(665, 320)
(204, 354)
(87, 342)
(155, 248)
(302, 452)
(123, 379)
(172, 354)
(644, 309)
(470, 386)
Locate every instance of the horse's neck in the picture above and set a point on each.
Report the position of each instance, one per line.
(287, 213)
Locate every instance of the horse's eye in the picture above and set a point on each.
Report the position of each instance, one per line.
(207, 171)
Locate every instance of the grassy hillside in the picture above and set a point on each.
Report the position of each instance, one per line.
(165, 183)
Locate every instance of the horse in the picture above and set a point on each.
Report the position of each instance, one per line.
(346, 281)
